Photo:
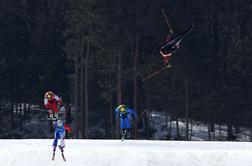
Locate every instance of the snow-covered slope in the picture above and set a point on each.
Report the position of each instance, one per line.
(128, 153)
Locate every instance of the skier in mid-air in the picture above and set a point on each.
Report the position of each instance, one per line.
(171, 45)
(51, 102)
(59, 133)
(125, 115)
(167, 55)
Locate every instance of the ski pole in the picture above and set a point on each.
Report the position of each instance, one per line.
(68, 108)
(167, 22)
(155, 73)
(140, 117)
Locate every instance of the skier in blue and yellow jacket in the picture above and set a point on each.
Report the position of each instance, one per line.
(125, 115)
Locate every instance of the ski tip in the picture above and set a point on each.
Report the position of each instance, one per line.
(63, 157)
(192, 26)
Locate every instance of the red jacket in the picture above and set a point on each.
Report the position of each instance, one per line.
(52, 105)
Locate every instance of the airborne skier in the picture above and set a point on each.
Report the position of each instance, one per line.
(169, 47)
(172, 45)
(51, 102)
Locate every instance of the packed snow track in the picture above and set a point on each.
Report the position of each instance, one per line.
(125, 153)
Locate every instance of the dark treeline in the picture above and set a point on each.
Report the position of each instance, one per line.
(95, 53)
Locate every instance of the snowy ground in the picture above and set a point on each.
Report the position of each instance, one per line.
(128, 153)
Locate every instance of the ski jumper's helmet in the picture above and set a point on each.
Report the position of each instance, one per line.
(122, 108)
(49, 95)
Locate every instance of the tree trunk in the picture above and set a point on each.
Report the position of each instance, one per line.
(191, 130)
(111, 110)
(86, 91)
(187, 107)
(219, 138)
(208, 119)
(135, 84)
(170, 128)
(76, 97)
(145, 97)
(21, 112)
(77, 127)
(12, 108)
(119, 88)
(78, 83)
(82, 100)
(174, 104)
(177, 126)
(230, 135)
(147, 125)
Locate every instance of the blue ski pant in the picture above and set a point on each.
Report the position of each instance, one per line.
(61, 136)
(125, 123)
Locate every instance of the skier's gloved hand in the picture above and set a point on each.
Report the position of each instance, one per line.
(62, 109)
(59, 102)
(50, 111)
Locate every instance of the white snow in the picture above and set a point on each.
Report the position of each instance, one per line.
(125, 153)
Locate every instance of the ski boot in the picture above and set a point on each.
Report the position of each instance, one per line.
(50, 116)
(124, 132)
(55, 116)
(61, 148)
(128, 134)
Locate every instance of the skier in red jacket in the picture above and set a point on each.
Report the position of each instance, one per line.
(51, 102)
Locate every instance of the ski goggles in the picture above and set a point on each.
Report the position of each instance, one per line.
(49, 97)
